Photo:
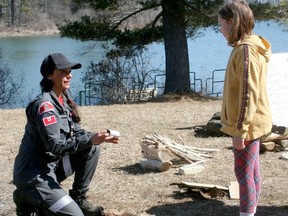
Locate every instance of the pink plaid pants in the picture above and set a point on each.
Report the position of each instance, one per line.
(247, 170)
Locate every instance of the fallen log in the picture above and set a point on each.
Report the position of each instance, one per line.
(155, 151)
(155, 165)
(267, 146)
(273, 137)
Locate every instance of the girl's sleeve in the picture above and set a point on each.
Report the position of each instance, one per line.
(248, 73)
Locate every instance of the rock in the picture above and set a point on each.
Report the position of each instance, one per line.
(284, 156)
(212, 128)
(280, 130)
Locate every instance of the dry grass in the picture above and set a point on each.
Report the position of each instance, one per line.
(121, 185)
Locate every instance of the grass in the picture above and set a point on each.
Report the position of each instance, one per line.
(122, 187)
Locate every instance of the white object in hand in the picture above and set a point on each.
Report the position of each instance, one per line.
(114, 133)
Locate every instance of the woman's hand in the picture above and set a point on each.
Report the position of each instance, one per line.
(103, 136)
(238, 143)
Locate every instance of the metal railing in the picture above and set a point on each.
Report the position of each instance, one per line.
(89, 95)
(194, 81)
(215, 81)
(92, 92)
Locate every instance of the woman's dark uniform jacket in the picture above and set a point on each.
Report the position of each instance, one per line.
(48, 136)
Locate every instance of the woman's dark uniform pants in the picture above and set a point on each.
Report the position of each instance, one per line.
(50, 199)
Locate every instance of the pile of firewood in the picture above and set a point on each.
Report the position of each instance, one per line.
(160, 152)
(275, 141)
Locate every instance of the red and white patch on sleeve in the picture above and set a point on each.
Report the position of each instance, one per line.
(45, 107)
(49, 120)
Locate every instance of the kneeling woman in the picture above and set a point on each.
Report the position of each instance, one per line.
(54, 146)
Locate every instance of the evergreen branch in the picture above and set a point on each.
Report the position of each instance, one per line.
(133, 14)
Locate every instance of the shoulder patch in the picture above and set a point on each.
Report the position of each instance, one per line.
(45, 107)
(49, 120)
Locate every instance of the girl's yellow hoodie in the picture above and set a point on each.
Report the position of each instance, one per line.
(245, 109)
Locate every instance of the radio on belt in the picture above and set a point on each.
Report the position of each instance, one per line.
(114, 133)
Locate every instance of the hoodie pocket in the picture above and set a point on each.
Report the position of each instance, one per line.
(224, 118)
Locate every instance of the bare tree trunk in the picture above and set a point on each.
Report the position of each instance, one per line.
(45, 7)
(176, 49)
(12, 9)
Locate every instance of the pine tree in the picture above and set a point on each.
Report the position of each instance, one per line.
(172, 23)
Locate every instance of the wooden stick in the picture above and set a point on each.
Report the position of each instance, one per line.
(196, 156)
(193, 152)
(200, 185)
(188, 158)
(188, 153)
(190, 147)
(184, 157)
(199, 149)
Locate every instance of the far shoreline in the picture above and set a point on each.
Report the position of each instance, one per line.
(20, 32)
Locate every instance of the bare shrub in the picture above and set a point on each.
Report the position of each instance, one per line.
(9, 84)
(120, 78)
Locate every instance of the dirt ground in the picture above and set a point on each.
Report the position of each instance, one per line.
(121, 185)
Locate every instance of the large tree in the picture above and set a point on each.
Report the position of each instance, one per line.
(172, 22)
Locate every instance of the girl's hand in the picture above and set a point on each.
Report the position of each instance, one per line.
(238, 143)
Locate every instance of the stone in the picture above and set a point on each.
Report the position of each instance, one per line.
(284, 156)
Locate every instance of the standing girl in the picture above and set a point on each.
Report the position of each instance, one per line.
(245, 113)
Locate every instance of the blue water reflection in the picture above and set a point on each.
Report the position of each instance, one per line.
(206, 53)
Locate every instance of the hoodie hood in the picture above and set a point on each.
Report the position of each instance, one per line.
(260, 43)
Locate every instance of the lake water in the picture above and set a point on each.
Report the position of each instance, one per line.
(206, 53)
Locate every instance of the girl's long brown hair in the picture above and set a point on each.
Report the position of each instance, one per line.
(242, 17)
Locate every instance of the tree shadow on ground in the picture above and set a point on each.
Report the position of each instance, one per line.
(199, 206)
(174, 97)
(194, 208)
(211, 208)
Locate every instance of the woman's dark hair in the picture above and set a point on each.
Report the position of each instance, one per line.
(75, 113)
(242, 17)
(47, 85)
